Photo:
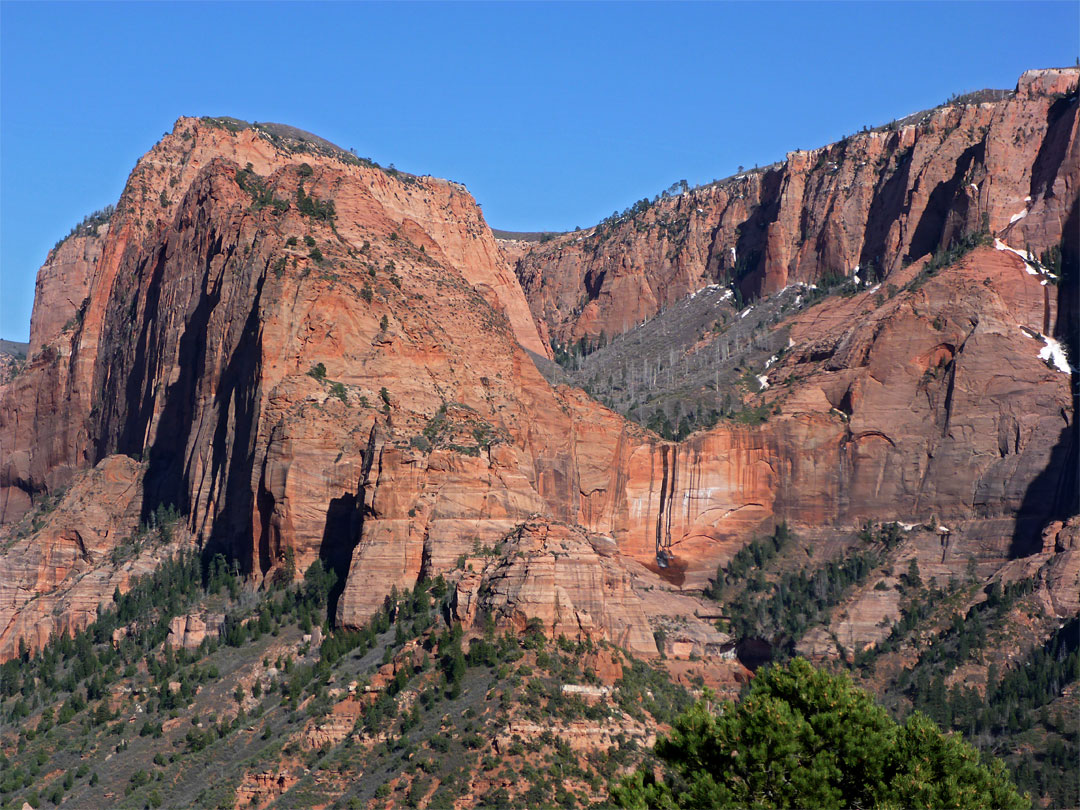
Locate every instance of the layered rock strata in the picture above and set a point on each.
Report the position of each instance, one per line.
(580, 587)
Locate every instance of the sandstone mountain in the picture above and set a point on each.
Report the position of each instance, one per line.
(304, 358)
(310, 354)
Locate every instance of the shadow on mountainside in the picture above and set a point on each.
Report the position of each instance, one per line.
(1054, 495)
(163, 484)
(944, 216)
(344, 523)
(1059, 123)
(236, 403)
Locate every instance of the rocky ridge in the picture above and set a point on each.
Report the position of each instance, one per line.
(863, 206)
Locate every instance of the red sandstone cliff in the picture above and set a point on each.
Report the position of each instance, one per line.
(355, 388)
(214, 302)
(64, 282)
(876, 198)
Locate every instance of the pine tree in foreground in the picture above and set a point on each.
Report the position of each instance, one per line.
(804, 737)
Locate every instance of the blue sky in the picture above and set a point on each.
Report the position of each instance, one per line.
(553, 115)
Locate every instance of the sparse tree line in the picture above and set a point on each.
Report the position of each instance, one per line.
(442, 669)
(90, 224)
(783, 609)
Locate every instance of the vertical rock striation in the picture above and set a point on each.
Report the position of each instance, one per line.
(313, 358)
(866, 204)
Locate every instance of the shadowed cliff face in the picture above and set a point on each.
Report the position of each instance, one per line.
(872, 201)
(297, 381)
(171, 285)
(356, 388)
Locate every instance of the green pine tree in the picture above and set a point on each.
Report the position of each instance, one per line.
(807, 738)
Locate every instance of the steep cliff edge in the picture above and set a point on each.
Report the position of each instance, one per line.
(308, 354)
(95, 286)
(863, 206)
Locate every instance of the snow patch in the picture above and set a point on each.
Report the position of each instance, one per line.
(1023, 254)
(1053, 353)
(1018, 217)
(771, 360)
(1027, 258)
(727, 294)
(790, 343)
(745, 312)
(974, 186)
(706, 288)
(763, 381)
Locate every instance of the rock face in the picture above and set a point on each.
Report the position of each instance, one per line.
(577, 586)
(946, 406)
(58, 569)
(258, 788)
(64, 281)
(188, 632)
(1061, 574)
(874, 201)
(351, 383)
(368, 389)
(166, 250)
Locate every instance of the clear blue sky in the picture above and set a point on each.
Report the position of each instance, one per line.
(553, 115)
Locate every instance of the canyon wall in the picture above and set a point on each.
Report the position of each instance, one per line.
(352, 384)
(875, 200)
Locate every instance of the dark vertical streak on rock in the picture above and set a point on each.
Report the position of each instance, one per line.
(344, 527)
(663, 503)
(233, 448)
(1054, 493)
(671, 493)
